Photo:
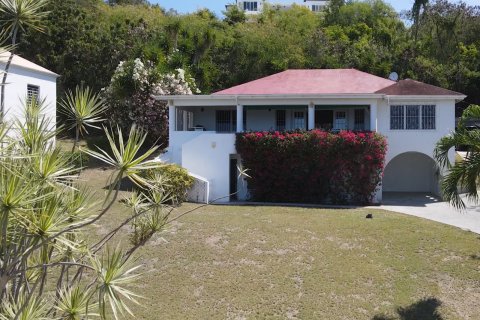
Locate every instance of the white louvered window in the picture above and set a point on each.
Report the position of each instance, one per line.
(33, 93)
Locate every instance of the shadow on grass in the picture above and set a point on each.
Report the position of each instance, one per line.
(425, 309)
(475, 257)
(125, 185)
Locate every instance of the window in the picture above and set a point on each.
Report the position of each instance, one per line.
(184, 120)
(33, 93)
(316, 7)
(412, 114)
(428, 117)
(299, 120)
(250, 6)
(359, 121)
(281, 120)
(396, 117)
(412, 117)
(226, 121)
(340, 120)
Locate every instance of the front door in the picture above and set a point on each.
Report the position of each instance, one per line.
(340, 120)
(299, 120)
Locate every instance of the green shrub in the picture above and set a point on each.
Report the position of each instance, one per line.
(175, 181)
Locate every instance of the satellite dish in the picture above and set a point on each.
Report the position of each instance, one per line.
(393, 76)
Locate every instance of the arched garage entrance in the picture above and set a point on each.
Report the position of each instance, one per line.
(411, 172)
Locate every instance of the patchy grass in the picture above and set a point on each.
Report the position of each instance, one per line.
(227, 262)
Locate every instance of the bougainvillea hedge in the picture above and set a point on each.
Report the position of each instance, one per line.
(313, 166)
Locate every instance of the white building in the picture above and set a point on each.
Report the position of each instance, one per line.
(26, 79)
(316, 5)
(412, 115)
(253, 7)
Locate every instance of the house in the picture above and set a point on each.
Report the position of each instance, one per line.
(316, 5)
(412, 115)
(27, 80)
(249, 7)
(256, 6)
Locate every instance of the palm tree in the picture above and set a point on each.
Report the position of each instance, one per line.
(18, 15)
(82, 108)
(463, 174)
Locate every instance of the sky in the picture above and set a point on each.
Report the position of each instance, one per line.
(185, 6)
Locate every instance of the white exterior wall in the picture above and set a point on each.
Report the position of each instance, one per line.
(16, 91)
(208, 156)
(423, 141)
(259, 6)
(417, 143)
(310, 3)
(176, 144)
(260, 120)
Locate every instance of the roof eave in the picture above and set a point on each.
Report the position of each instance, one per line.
(267, 96)
(455, 97)
(46, 71)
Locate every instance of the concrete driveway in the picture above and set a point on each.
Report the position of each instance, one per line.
(429, 207)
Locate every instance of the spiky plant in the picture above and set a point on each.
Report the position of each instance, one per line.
(126, 156)
(464, 174)
(43, 217)
(82, 109)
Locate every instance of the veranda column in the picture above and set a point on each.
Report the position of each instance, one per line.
(239, 118)
(373, 117)
(172, 118)
(311, 116)
(377, 197)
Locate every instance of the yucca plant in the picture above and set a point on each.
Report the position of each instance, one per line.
(75, 304)
(44, 213)
(82, 109)
(113, 272)
(126, 156)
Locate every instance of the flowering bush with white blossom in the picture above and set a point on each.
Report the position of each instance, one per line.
(130, 100)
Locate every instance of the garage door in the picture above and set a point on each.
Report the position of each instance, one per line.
(411, 172)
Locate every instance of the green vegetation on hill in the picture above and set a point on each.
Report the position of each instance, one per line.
(85, 40)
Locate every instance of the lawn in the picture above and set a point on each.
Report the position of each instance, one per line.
(246, 262)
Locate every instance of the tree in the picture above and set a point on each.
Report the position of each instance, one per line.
(18, 15)
(234, 15)
(416, 9)
(461, 174)
(130, 96)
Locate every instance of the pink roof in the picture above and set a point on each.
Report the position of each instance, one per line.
(317, 81)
